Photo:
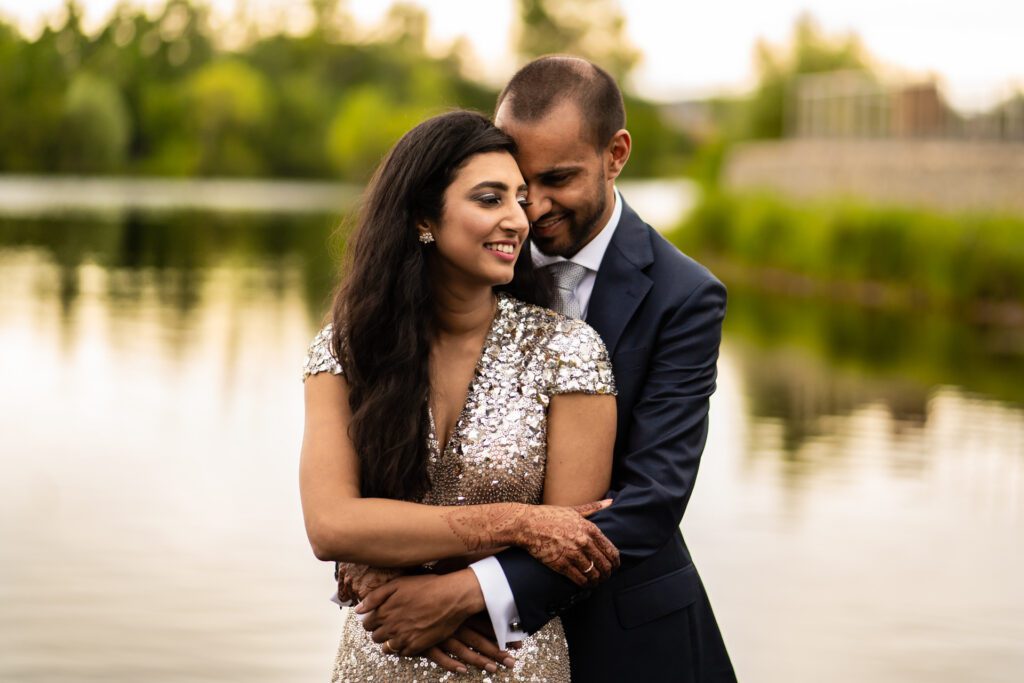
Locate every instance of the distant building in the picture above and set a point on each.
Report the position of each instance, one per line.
(856, 104)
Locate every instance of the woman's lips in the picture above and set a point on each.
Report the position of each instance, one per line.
(505, 251)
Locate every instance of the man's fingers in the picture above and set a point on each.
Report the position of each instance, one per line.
(446, 662)
(376, 598)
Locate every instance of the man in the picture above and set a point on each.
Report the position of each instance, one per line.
(660, 315)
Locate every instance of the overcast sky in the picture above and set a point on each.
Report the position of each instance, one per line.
(694, 49)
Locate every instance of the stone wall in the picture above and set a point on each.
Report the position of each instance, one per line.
(947, 175)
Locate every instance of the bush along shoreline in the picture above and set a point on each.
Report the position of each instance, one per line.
(971, 265)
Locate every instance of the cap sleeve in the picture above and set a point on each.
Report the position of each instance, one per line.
(320, 357)
(578, 361)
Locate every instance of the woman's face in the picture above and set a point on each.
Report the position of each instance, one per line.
(483, 224)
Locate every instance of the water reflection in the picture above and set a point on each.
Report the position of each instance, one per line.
(857, 516)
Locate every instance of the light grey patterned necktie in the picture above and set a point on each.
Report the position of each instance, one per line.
(567, 276)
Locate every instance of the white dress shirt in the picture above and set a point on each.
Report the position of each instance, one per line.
(501, 606)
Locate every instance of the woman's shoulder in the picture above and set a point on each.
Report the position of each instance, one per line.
(557, 329)
(320, 355)
(573, 353)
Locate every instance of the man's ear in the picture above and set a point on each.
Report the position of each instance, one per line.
(617, 153)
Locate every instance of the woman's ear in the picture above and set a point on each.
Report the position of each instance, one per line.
(425, 231)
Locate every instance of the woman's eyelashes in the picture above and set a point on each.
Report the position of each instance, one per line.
(491, 199)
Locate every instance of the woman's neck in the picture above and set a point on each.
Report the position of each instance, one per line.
(461, 312)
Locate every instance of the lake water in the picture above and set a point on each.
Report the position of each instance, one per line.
(858, 516)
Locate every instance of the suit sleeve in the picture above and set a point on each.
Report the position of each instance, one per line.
(654, 478)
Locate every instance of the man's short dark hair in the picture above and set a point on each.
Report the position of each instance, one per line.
(550, 80)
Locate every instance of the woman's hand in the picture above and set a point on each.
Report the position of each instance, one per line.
(564, 540)
(355, 581)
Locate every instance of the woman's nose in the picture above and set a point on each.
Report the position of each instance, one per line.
(517, 219)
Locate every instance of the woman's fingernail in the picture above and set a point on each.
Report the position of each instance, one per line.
(359, 607)
(491, 667)
(462, 670)
(509, 662)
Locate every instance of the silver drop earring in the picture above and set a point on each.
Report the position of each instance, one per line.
(426, 237)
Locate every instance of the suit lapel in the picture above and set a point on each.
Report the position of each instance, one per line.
(621, 284)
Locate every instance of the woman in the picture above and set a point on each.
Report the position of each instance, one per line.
(446, 418)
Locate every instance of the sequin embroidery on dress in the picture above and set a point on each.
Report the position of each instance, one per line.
(496, 453)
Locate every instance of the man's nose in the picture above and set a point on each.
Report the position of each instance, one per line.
(539, 205)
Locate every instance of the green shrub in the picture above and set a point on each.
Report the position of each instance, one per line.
(947, 258)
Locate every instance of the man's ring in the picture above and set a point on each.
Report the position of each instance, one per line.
(589, 569)
(389, 649)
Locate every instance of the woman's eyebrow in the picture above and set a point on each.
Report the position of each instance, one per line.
(491, 184)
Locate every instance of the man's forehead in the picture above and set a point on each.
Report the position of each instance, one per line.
(565, 116)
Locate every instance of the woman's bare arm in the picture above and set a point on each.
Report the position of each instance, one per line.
(581, 440)
(388, 533)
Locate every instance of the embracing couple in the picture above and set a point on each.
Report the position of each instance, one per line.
(499, 482)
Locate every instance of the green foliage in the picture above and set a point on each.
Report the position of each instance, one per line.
(658, 150)
(594, 29)
(946, 259)
(228, 113)
(95, 126)
(368, 122)
(153, 93)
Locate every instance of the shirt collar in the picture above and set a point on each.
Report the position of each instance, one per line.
(589, 256)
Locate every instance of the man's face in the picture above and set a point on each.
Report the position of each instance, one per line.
(570, 193)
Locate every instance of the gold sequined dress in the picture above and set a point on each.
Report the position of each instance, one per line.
(497, 453)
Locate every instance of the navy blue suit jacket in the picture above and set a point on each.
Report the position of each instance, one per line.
(660, 314)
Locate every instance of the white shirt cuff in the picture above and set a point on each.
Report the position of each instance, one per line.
(501, 605)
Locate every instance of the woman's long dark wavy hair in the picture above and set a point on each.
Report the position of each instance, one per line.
(383, 311)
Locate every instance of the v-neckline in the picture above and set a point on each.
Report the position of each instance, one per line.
(439, 448)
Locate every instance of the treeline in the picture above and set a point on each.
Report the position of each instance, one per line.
(158, 95)
(889, 257)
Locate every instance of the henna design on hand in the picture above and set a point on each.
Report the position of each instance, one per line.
(485, 526)
(355, 581)
(560, 537)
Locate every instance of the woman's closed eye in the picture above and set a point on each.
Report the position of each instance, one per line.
(489, 199)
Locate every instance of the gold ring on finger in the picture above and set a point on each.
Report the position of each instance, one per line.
(589, 569)
(389, 649)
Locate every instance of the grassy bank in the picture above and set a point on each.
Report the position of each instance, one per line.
(882, 256)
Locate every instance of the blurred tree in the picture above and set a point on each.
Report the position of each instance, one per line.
(594, 29)
(95, 126)
(367, 123)
(150, 91)
(229, 113)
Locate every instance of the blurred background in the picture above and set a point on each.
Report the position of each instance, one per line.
(172, 179)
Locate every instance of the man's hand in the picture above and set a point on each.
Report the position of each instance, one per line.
(415, 613)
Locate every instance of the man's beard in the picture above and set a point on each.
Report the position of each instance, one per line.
(581, 228)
